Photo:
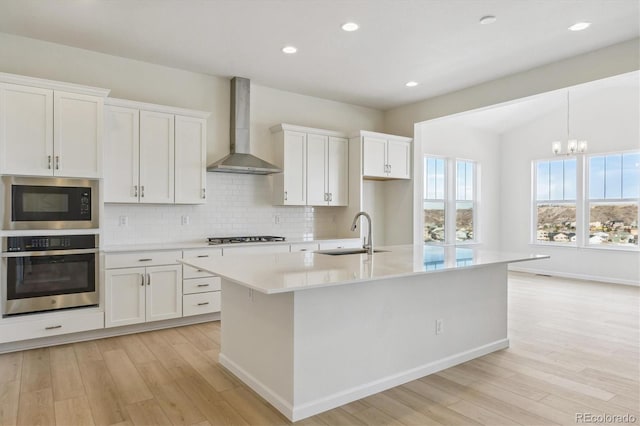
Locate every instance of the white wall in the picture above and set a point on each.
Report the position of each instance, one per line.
(447, 138)
(609, 119)
(249, 211)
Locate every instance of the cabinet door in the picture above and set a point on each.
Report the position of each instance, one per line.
(124, 296)
(191, 159)
(295, 173)
(317, 185)
(338, 171)
(26, 130)
(77, 144)
(164, 292)
(121, 155)
(374, 155)
(156, 157)
(399, 159)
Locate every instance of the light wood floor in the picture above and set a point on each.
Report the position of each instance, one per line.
(574, 349)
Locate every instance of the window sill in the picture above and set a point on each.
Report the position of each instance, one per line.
(589, 247)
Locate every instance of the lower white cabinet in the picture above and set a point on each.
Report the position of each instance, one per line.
(50, 324)
(201, 290)
(142, 294)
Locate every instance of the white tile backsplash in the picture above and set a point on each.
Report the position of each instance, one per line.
(237, 204)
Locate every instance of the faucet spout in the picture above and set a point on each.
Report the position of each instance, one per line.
(368, 245)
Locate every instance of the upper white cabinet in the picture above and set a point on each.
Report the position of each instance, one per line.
(49, 128)
(385, 156)
(315, 166)
(154, 154)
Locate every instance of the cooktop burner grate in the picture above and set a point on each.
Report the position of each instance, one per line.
(250, 239)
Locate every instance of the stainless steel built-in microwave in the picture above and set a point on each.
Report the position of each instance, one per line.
(49, 203)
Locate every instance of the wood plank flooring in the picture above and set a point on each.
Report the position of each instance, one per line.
(574, 349)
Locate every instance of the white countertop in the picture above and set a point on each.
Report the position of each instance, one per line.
(200, 244)
(286, 272)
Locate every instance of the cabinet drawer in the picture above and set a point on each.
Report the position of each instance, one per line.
(202, 253)
(191, 272)
(328, 245)
(141, 258)
(200, 285)
(275, 248)
(201, 303)
(304, 247)
(50, 325)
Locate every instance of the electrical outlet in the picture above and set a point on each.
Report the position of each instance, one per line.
(276, 219)
(123, 220)
(185, 220)
(439, 326)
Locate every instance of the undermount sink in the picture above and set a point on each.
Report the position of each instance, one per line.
(342, 252)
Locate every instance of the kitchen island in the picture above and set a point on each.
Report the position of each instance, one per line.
(312, 331)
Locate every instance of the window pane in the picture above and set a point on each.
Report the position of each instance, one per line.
(433, 221)
(613, 176)
(596, 178)
(461, 171)
(570, 179)
(631, 175)
(439, 179)
(613, 224)
(542, 183)
(429, 178)
(556, 180)
(556, 223)
(464, 220)
(469, 184)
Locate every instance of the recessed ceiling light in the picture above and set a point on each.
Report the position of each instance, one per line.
(486, 20)
(350, 26)
(289, 50)
(411, 84)
(579, 26)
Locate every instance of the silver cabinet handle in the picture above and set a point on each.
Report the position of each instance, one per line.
(48, 162)
(285, 195)
(203, 255)
(203, 303)
(57, 162)
(148, 279)
(331, 196)
(326, 198)
(142, 280)
(135, 191)
(142, 191)
(202, 285)
(145, 260)
(204, 193)
(303, 249)
(200, 270)
(53, 327)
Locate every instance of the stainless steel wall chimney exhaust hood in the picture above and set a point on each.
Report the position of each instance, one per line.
(240, 159)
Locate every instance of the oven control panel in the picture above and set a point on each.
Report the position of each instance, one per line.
(50, 242)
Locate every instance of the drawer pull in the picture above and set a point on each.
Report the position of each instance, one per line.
(202, 285)
(53, 327)
(203, 303)
(203, 255)
(145, 260)
(303, 249)
(200, 270)
(142, 280)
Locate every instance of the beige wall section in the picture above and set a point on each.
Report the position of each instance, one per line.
(145, 82)
(613, 60)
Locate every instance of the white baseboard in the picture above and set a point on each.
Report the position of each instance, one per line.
(585, 277)
(302, 411)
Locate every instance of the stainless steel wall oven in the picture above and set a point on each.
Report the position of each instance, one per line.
(49, 203)
(49, 272)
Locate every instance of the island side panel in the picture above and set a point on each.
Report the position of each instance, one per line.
(355, 340)
(257, 341)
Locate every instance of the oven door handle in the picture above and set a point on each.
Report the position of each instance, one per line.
(49, 253)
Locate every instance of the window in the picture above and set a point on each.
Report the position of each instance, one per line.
(612, 205)
(434, 199)
(555, 199)
(464, 200)
(449, 204)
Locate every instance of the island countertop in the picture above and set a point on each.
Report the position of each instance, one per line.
(287, 272)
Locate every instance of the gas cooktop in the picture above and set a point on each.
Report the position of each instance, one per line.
(251, 239)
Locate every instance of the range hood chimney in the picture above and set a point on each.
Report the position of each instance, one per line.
(240, 159)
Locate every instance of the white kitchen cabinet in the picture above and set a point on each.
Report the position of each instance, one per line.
(340, 244)
(136, 294)
(190, 160)
(273, 248)
(385, 156)
(154, 154)
(47, 324)
(201, 289)
(315, 166)
(47, 132)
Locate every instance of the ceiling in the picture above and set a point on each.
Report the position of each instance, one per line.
(438, 43)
